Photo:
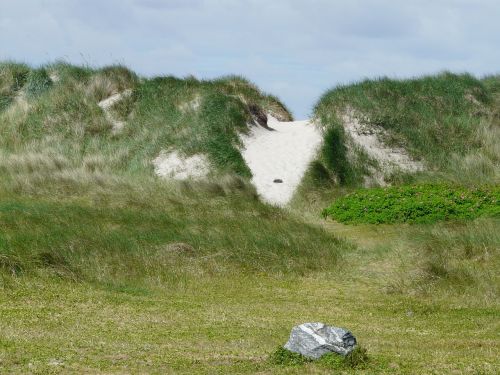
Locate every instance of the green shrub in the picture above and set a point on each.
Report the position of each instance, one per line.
(38, 81)
(415, 204)
(285, 357)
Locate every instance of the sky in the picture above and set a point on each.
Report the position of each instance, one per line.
(295, 49)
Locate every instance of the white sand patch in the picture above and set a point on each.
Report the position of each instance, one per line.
(173, 165)
(282, 154)
(369, 138)
(107, 103)
(113, 99)
(54, 77)
(192, 105)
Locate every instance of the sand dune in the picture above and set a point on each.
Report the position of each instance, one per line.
(282, 154)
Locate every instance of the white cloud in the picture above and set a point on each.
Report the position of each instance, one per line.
(293, 48)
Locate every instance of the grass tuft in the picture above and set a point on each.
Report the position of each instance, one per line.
(357, 359)
(284, 357)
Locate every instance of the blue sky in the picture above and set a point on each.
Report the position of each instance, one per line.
(295, 49)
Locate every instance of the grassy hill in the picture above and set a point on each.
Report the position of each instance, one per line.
(449, 122)
(104, 268)
(51, 123)
(82, 203)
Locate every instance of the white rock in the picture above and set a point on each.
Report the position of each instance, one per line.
(313, 340)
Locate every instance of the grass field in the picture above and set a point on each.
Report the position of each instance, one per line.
(232, 323)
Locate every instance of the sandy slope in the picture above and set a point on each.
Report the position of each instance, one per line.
(370, 139)
(174, 165)
(283, 154)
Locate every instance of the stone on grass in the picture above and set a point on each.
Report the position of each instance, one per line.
(313, 340)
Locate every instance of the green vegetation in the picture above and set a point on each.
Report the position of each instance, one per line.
(460, 257)
(232, 322)
(448, 121)
(125, 237)
(285, 357)
(415, 204)
(106, 269)
(50, 116)
(357, 359)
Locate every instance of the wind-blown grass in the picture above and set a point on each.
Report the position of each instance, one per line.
(53, 112)
(458, 258)
(123, 232)
(449, 121)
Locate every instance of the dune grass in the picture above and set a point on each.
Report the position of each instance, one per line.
(52, 112)
(459, 258)
(449, 121)
(125, 236)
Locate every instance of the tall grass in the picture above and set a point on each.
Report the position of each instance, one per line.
(53, 111)
(124, 231)
(12, 78)
(460, 258)
(450, 121)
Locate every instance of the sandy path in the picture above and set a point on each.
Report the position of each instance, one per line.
(283, 154)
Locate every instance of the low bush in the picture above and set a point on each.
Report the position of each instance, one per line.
(426, 203)
(285, 357)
